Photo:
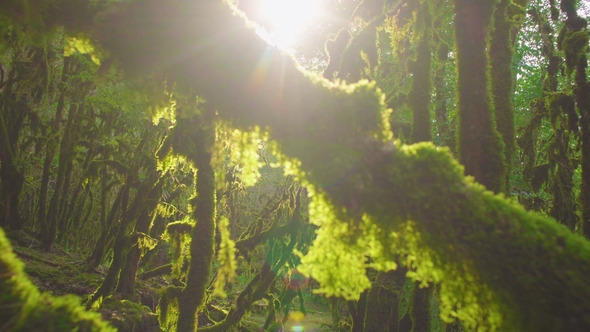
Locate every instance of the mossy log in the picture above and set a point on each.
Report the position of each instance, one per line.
(24, 308)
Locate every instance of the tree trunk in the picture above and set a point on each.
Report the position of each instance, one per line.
(501, 51)
(420, 92)
(203, 236)
(480, 147)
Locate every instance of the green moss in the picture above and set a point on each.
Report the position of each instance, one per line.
(24, 308)
(420, 91)
(574, 45)
(201, 247)
(129, 316)
(168, 308)
(501, 50)
(480, 146)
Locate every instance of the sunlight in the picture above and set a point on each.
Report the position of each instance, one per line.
(289, 16)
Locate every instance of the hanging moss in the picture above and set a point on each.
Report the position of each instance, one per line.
(24, 308)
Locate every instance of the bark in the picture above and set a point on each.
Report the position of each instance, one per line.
(501, 51)
(51, 146)
(383, 301)
(203, 236)
(126, 284)
(480, 147)
(420, 92)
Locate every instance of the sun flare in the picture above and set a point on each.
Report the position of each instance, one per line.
(289, 16)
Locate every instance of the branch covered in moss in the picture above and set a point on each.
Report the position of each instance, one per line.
(160, 270)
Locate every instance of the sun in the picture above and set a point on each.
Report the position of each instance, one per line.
(288, 17)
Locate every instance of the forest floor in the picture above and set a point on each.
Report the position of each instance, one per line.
(62, 272)
(316, 319)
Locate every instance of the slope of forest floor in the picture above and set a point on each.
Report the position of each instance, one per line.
(63, 272)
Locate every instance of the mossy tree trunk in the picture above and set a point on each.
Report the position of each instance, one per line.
(51, 146)
(584, 107)
(126, 284)
(441, 112)
(109, 227)
(420, 310)
(357, 310)
(120, 246)
(507, 17)
(575, 46)
(50, 228)
(26, 64)
(383, 301)
(420, 91)
(129, 216)
(77, 106)
(480, 146)
(559, 108)
(194, 138)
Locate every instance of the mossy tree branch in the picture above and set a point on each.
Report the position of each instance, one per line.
(481, 243)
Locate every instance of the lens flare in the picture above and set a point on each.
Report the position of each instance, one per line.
(289, 16)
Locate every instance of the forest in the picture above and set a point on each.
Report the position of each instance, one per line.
(403, 166)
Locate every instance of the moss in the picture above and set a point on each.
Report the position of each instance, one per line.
(480, 145)
(501, 51)
(442, 52)
(128, 316)
(179, 227)
(168, 308)
(420, 91)
(201, 247)
(574, 44)
(24, 308)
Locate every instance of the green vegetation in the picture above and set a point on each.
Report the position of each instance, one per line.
(165, 168)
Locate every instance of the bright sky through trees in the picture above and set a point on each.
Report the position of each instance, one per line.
(288, 18)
